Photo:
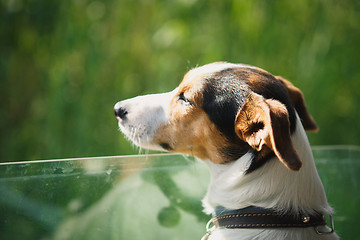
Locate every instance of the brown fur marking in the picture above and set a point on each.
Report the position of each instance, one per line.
(298, 100)
(189, 129)
(264, 124)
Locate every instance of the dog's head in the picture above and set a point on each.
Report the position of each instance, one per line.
(220, 112)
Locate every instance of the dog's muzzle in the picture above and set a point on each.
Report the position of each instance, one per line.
(139, 118)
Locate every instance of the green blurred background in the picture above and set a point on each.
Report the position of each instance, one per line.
(64, 64)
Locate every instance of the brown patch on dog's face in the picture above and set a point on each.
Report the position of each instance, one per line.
(189, 129)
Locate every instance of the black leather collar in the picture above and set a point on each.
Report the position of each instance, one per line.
(255, 217)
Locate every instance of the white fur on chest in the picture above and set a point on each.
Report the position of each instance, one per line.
(271, 186)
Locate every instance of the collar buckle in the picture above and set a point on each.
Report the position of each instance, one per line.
(332, 227)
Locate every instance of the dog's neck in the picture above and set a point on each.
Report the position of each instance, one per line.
(271, 186)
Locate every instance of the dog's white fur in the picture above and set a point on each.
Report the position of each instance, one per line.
(230, 188)
(271, 186)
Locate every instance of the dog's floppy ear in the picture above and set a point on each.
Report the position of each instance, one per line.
(297, 98)
(264, 123)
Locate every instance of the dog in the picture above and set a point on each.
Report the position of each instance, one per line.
(248, 126)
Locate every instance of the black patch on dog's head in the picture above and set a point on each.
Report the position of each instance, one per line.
(225, 93)
(223, 96)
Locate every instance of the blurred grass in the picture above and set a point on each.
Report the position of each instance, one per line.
(64, 64)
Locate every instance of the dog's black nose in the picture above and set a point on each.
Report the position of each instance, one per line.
(120, 112)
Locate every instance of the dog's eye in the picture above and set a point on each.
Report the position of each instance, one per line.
(184, 99)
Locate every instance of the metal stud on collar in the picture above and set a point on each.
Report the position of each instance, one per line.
(305, 219)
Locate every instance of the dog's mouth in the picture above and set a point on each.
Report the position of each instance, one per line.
(166, 146)
(140, 134)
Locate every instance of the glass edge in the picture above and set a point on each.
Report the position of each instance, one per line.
(144, 156)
